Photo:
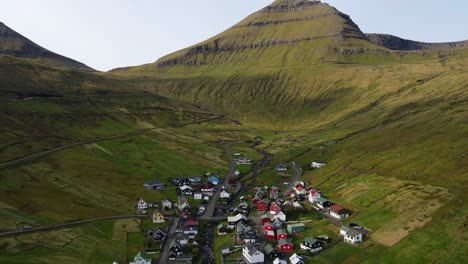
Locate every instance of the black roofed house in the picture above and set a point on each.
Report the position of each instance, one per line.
(222, 230)
(270, 252)
(154, 185)
(184, 259)
(175, 247)
(250, 235)
(311, 244)
(281, 167)
(186, 190)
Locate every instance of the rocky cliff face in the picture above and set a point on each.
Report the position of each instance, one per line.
(283, 23)
(396, 43)
(14, 44)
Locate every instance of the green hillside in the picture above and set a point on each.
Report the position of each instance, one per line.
(296, 74)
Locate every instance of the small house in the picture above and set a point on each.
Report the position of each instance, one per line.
(182, 203)
(281, 234)
(318, 164)
(278, 223)
(295, 228)
(323, 203)
(154, 185)
(166, 204)
(281, 167)
(314, 195)
(265, 219)
(222, 230)
(186, 190)
(214, 179)
(225, 194)
(285, 245)
(250, 235)
(195, 180)
(274, 208)
(339, 212)
(270, 252)
(158, 218)
(270, 235)
(225, 250)
(252, 255)
(184, 259)
(279, 261)
(142, 205)
(175, 247)
(233, 220)
(262, 206)
(268, 227)
(311, 244)
(244, 161)
(141, 258)
(281, 216)
(197, 196)
(296, 259)
(157, 235)
(350, 235)
(240, 227)
(209, 187)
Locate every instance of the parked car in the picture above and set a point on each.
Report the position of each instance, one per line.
(201, 210)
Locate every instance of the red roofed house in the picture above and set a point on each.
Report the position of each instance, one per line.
(314, 195)
(266, 219)
(274, 208)
(281, 234)
(268, 227)
(270, 235)
(339, 212)
(285, 245)
(256, 200)
(262, 206)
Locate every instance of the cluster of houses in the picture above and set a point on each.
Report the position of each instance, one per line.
(183, 240)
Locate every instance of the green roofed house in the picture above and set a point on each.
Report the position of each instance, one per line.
(295, 228)
(141, 258)
(270, 252)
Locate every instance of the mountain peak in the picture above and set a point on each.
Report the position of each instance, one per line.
(14, 44)
(283, 23)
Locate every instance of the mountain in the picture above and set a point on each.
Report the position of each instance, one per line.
(396, 43)
(14, 44)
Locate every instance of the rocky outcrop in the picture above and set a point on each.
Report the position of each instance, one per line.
(291, 5)
(14, 44)
(396, 43)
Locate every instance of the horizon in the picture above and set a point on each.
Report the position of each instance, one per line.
(73, 29)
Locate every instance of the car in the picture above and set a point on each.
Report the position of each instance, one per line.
(201, 210)
(286, 183)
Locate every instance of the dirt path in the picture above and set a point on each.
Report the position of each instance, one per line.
(91, 141)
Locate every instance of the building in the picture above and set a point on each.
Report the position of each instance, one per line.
(209, 187)
(240, 227)
(274, 208)
(141, 258)
(225, 194)
(270, 235)
(261, 205)
(214, 179)
(197, 196)
(186, 190)
(285, 245)
(237, 173)
(311, 244)
(158, 217)
(314, 195)
(296, 259)
(182, 203)
(299, 188)
(222, 230)
(250, 235)
(184, 259)
(252, 255)
(154, 185)
(157, 235)
(339, 212)
(142, 205)
(233, 220)
(281, 234)
(175, 247)
(225, 250)
(268, 227)
(166, 204)
(350, 235)
(244, 161)
(281, 216)
(278, 223)
(323, 203)
(318, 164)
(281, 167)
(295, 228)
(279, 261)
(270, 252)
(265, 219)
(195, 180)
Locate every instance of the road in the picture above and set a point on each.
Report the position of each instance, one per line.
(164, 256)
(90, 141)
(297, 176)
(67, 225)
(210, 208)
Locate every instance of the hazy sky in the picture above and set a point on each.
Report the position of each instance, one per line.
(106, 34)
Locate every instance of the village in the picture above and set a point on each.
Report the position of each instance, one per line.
(254, 225)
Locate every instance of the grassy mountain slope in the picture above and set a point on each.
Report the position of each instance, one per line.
(14, 44)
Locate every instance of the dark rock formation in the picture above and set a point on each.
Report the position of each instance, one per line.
(396, 43)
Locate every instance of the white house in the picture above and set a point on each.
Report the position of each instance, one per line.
(236, 173)
(244, 161)
(279, 261)
(350, 235)
(141, 258)
(197, 196)
(166, 204)
(296, 259)
(252, 255)
(225, 194)
(318, 164)
(233, 220)
(314, 195)
(142, 205)
(339, 212)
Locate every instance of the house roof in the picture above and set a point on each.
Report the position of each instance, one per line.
(336, 208)
(268, 249)
(142, 255)
(310, 240)
(251, 249)
(350, 231)
(236, 218)
(280, 232)
(296, 225)
(191, 222)
(284, 242)
(322, 200)
(175, 243)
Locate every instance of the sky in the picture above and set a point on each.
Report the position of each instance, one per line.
(107, 34)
